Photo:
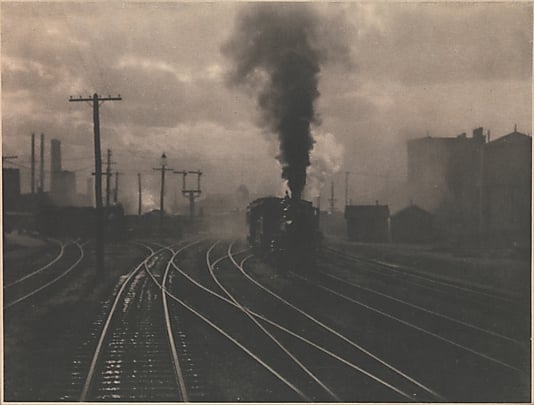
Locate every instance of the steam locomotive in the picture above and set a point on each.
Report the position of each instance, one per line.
(285, 230)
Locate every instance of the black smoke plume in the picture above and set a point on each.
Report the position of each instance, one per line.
(277, 51)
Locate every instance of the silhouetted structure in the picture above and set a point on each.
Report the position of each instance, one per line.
(367, 223)
(445, 178)
(507, 188)
(62, 182)
(412, 225)
(10, 188)
(477, 191)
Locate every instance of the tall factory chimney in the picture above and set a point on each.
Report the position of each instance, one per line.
(41, 163)
(55, 155)
(55, 165)
(33, 165)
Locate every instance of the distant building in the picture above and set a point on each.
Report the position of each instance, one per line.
(64, 191)
(507, 188)
(367, 223)
(412, 225)
(62, 182)
(475, 190)
(10, 188)
(445, 178)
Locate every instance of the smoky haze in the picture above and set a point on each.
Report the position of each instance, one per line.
(277, 52)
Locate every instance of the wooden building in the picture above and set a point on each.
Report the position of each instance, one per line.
(367, 223)
(412, 225)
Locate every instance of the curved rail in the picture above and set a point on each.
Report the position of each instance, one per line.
(53, 281)
(245, 310)
(224, 333)
(170, 334)
(98, 350)
(474, 289)
(428, 311)
(411, 325)
(294, 334)
(33, 273)
(342, 337)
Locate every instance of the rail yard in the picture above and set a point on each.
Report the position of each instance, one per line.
(204, 319)
(290, 202)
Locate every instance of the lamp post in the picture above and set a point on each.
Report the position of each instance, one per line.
(163, 168)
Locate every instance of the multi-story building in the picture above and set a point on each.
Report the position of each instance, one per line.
(474, 188)
(445, 178)
(507, 188)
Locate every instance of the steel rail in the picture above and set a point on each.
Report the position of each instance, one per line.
(33, 273)
(226, 334)
(54, 280)
(103, 333)
(344, 338)
(477, 290)
(411, 325)
(176, 361)
(300, 337)
(429, 311)
(246, 311)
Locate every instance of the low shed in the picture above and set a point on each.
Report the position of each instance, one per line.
(412, 225)
(367, 223)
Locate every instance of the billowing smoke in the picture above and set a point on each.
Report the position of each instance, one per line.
(326, 160)
(277, 51)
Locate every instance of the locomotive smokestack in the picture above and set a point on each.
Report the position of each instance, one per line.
(277, 50)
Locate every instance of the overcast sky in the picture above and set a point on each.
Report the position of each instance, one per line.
(413, 68)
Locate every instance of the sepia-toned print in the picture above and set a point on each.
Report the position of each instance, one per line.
(266, 202)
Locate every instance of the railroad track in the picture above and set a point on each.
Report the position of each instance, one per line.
(477, 292)
(134, 358)
(501, 316)
(24, 261)
(308, 359)
(229, 329)
(495, 347)
(464, 348)
(29, 286)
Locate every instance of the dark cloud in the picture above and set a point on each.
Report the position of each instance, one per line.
(442, 68)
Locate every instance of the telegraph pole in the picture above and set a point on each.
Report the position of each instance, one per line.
(108, 175)
(96, 101)
(191, 194)
(116, 195)
(139, 188)
(163, 169)
(347, 188)
(41, 184)
(33, 165)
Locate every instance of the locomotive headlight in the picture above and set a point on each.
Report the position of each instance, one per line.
(289, 222)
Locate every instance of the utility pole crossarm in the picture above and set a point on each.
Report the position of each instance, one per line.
(91, 98)
(95, 101)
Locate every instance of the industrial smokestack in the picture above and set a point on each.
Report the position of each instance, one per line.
(277, 50)
(41, 163)
(33, 165)
(55, 155)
